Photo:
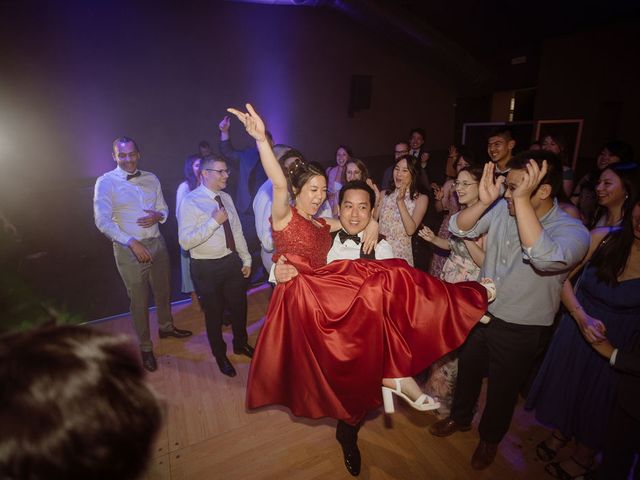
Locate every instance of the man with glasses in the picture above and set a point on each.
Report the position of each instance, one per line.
(209, 227)
(128, 205)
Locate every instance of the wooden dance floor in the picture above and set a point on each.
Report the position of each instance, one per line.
(208, 434)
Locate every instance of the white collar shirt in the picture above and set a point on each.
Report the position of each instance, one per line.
(200, 234)
(118, 203)
(350, 250)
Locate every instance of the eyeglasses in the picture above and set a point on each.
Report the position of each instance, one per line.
(224, 171)
(464, 184)
(132, 155)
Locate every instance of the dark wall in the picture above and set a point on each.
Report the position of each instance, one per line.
(75, 75)
(594, 75)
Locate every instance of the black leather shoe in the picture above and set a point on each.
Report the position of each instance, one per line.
(149, 361)
(484, 455)
(352, 459)
(446, 427)
(176, 332)
(246, 350)
(225, 366)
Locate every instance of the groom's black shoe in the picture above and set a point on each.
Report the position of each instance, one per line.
(225, 366)
(352, 458)
(246, 350)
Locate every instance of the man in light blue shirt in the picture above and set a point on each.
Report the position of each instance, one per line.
(531, 247)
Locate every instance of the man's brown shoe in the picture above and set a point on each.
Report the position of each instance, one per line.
(175, 332)
(484, 455)
(446, 427)
(149, 361)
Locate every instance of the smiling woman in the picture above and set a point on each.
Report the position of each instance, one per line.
(616, 183)
(402, 208)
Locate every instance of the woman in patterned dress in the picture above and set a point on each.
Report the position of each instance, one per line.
(402, 208)
(446, 200)
(462, 264)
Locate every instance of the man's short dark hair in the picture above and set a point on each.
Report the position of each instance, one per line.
(554, 167)
(123, 140)
(75, 406)
(357, 185)
(419, 131)
(204, 144)
(205, 162)
(503, 132)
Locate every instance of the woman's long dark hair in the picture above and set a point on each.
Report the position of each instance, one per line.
(628, 172)
(611, 257)
(189, 176)
(412, 165)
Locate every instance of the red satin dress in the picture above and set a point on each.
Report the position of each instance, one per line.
(335, 331)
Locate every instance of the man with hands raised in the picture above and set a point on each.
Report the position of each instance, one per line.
(531, 247)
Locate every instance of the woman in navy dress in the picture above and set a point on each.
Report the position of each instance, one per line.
(575, 387)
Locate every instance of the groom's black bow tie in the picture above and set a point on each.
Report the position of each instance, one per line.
(134, 175)
(344, 236)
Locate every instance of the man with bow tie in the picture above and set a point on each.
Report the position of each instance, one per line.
(355, 207)
(128, 205)
(355, 201)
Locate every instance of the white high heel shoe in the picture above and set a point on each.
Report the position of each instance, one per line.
(423, 403)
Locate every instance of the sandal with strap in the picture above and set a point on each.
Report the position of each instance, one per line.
(545, 452)
(555, 470)
(423, 403)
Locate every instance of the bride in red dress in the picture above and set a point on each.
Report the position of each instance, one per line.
(336, 332)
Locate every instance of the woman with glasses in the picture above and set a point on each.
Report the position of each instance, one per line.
(462, 265)
(446, 201)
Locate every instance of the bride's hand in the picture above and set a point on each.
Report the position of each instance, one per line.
(370, 236)
(252, 122)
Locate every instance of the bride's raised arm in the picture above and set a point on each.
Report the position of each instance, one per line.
(281, 210)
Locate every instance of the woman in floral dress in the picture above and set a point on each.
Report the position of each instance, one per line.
(402, 208)
(462, 264)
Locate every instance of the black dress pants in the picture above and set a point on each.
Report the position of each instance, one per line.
(347, 434)
(505, 353)
(220, 283)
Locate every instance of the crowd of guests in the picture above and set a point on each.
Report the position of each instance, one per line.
(563, 330)
(417, 218)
